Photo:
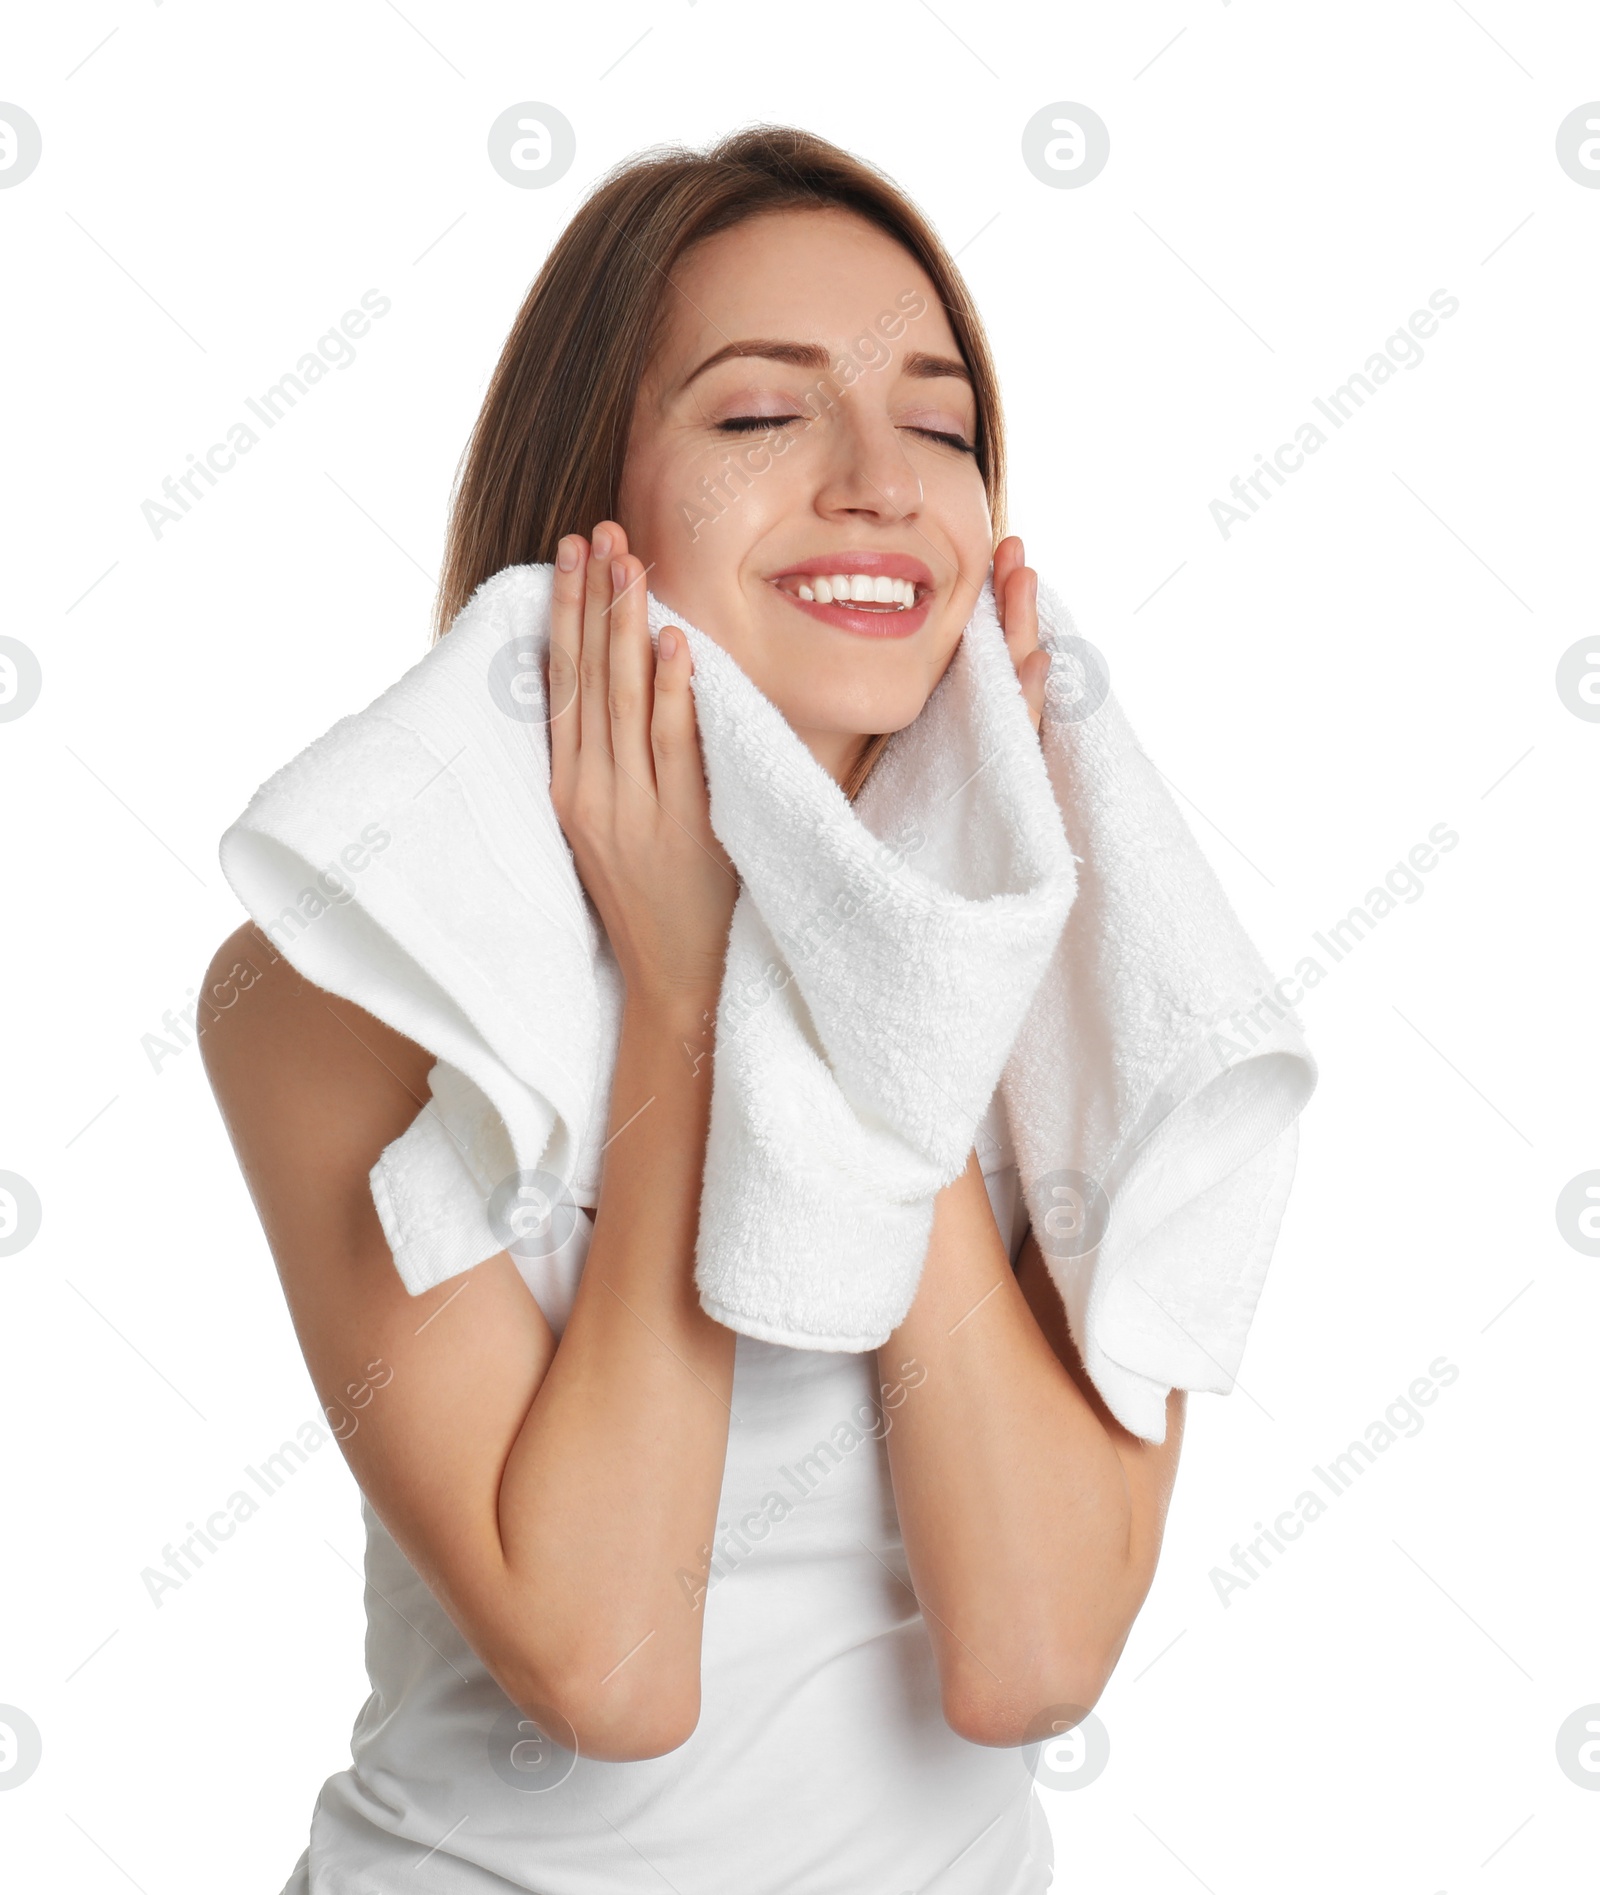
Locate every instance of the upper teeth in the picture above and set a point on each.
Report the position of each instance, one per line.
(860, 588)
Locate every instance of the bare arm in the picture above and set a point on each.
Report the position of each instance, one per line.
(1032, 1520)
(548, 1495)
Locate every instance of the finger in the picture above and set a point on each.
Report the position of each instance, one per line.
(631, 685)
(674, 746)
(1022, 613)
(1007, 558)
(674, 740)
(1035, 668)
(566, 633)
(594, 658)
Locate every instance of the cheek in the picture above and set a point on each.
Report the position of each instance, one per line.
(720, 496)
(954, 496)
(667, 487)
(692, 512)
(643, 509)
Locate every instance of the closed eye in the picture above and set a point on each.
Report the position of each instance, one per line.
(746, 424)
(953, 440)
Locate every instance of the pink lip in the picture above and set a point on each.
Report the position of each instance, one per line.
(852, 619)
(890, 565)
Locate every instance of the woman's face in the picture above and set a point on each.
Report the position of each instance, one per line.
(807, 417)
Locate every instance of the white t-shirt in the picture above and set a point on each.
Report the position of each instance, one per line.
(821, 1764)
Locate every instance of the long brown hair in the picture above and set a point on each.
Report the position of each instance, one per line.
(546, 454)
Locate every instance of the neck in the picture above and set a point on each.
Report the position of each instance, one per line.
(836, 750)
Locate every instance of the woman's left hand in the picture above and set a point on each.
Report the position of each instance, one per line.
(1016, 597)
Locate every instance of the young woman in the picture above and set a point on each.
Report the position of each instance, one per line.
(652, 1607)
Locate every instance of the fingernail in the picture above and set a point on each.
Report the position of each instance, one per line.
(668, 645)
(602, 542)
(567, 555)
(619, 575)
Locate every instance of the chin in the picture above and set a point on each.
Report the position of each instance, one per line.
(845, 715)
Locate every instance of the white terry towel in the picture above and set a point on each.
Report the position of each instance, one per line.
(993, 908)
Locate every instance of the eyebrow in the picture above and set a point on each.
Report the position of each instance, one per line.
(918, 363)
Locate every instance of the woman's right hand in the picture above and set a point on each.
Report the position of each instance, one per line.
(627, 780)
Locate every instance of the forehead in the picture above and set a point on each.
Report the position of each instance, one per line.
(824, 276)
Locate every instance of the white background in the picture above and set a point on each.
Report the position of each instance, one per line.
(1372, 654)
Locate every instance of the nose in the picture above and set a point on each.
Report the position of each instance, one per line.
(868, 475)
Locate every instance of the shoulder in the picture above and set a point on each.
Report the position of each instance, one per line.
(514, 600)
(306, 1082)
(253, 996)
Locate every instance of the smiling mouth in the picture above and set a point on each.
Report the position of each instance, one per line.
(863, 592)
